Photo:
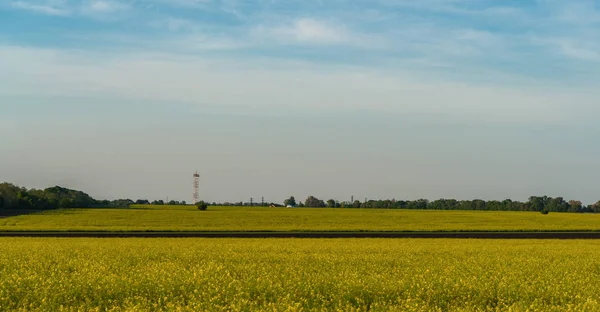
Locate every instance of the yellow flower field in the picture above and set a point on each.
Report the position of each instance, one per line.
(185, 218)
(298, 275)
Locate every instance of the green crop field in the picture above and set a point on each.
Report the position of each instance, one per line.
(182, 218)
(75, 274)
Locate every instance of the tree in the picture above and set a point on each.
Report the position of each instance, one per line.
(507, 204)
(121, 203)
(575, 206)
(557, 204)
(417, 204)
(14, 197)
(201, 205)
(331, 203)
(290, 201)
(537, 203)
(314, 202)
(479, 204)
(493, 205)
(596, 207)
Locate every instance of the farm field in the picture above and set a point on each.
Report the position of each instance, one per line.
(186, 218)
(298, 274)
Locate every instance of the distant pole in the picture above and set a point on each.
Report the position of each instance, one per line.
(352, 199)
(196, 187)
(251, 201)
(262, 201)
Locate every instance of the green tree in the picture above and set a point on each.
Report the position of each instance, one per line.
(557, 204)
(479, 204)
(507, 204)
(331, 203)
(596, 207)
(201, 205)
(575, 206)
(314, 202)
(417, 204)
(290, 201)
(15, 197)
(537, 203)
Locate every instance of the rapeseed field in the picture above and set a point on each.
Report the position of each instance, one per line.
(83, 274)
(185, 218)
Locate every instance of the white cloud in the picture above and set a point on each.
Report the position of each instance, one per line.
(459, 7)
(585, 51)
(104, 7)
(47, 9)
(582, 53)
(255, 86)
(177, 24)
(315, 31)
(64, 8)
(184, 3)
(306, 30)
(580, 13)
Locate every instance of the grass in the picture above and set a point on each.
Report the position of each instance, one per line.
(298, 275)
(231, 219)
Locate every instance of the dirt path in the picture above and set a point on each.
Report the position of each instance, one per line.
(476, 235)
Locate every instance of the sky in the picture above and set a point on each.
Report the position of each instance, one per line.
(374, 99)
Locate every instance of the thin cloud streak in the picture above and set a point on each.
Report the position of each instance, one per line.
(306, 30)
(40, 8)
(262, 86)
(66, 9)
(103, 7)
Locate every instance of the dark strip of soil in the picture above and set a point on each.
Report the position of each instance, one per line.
(5, 213)
(477, 235)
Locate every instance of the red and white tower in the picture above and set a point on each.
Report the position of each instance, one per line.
(196, 187)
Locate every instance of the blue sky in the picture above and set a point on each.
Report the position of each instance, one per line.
(385, 98)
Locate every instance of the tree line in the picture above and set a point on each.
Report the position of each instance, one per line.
(19, 198)
(123, 203)
(15, 197)
(535, 203)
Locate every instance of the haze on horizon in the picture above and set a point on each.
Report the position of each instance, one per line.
(396, 99)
